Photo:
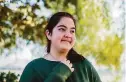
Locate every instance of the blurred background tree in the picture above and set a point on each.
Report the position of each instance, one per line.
(94, 37)
(8, 77)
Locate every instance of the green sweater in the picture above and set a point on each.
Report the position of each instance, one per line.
(42, 70)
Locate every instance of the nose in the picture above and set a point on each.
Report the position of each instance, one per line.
(68, 35)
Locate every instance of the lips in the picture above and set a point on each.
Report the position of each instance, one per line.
(66, 41)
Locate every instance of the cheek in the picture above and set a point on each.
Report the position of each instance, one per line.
(56, 35)
(57, 38)
(73, 40)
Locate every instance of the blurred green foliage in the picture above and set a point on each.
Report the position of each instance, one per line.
(92, 17)
(8, 77)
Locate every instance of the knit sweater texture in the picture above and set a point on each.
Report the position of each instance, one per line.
(42, 70)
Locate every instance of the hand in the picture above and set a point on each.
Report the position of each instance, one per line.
(67, 63)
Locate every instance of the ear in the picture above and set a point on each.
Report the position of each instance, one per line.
(48, 34)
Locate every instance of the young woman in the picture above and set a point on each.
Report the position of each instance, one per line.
(62, 63)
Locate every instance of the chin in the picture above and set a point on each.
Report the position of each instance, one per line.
(65, 49)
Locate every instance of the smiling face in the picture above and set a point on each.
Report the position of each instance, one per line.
(63, 35)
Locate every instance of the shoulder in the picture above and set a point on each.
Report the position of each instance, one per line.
(88, 68)
(85, 63)
(29, 72)
(35, 62)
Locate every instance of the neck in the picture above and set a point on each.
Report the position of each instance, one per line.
(58, 55)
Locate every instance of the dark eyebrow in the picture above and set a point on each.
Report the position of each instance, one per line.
(65, 26)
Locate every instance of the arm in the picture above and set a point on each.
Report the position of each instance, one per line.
(59, 74)
(95, 76)
(92, 73)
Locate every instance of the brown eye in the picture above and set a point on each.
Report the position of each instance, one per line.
(62, 29)
(72, 31)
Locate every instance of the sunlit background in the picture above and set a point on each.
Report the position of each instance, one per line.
(100, 33)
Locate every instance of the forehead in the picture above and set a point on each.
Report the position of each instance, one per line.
(67, 21)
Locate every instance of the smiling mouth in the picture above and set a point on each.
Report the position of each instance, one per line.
(66, 41)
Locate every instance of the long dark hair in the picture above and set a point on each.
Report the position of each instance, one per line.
(73, 56)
